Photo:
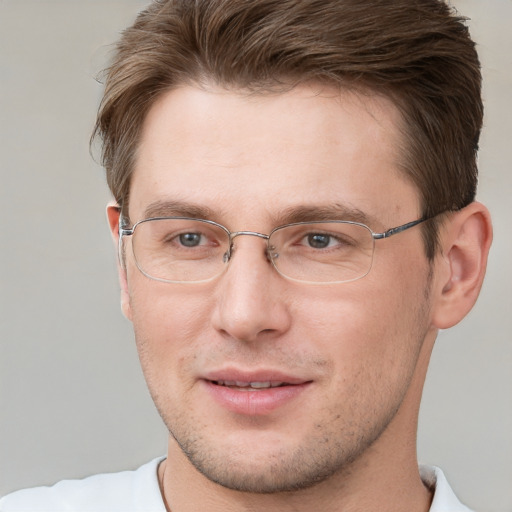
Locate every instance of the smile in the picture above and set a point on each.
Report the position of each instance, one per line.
(254, 396)
(249, 386)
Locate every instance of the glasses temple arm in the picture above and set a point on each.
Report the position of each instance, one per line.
(399, 229)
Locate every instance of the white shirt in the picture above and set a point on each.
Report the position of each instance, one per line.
(444, 498)
(139, 491)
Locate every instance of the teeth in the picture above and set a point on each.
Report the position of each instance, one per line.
(260, 385)
(254, 385)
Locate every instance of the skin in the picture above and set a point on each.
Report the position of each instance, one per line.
(360, 350)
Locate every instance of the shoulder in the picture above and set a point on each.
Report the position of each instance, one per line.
(127, 491)
(444, 498)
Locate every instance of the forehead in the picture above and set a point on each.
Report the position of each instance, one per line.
(231, 151)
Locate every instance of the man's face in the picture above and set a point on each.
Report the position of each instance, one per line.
(346, 353)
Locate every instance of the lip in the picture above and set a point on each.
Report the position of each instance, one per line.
(257, 401)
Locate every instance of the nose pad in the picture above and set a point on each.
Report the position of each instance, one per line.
(272, 253)
(226, 257)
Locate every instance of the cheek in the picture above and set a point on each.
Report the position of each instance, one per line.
(167, 328)
(370, 328)
(373, 347)
(168, 321)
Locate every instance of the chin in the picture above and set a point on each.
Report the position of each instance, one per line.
(248, 467)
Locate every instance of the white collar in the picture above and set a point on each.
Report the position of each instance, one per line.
(444, 498)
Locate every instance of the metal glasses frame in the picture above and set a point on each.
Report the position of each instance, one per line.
(124, 232)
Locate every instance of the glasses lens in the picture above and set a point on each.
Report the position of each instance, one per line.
(179, 250)
(322, 252)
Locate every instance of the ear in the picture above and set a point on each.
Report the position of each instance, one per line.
(113, 216)
(460, 268)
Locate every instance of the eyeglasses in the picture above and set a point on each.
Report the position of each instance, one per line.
(188, 250)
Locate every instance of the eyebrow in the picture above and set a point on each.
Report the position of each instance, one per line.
(170, 208)
(290, 215)
(305, 213)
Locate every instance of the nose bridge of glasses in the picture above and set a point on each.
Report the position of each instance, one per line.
(235, 234)
(248, 233)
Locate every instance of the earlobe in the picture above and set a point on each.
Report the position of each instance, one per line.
(113, 217)
(465, 241)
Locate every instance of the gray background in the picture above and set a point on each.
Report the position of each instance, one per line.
(72, 397)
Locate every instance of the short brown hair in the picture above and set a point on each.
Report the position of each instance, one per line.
(416, 52)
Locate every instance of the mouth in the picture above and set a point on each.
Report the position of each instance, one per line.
(250, 386)
(254, 393)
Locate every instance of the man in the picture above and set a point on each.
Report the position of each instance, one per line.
(295, 221)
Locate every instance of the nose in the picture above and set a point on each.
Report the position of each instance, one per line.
(251, 298)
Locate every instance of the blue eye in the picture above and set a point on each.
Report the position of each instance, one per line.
(190, 239)
(319, 241)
